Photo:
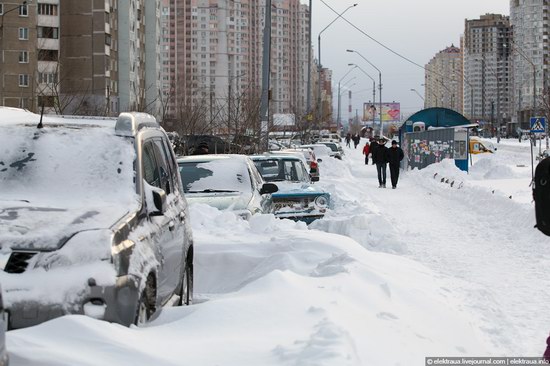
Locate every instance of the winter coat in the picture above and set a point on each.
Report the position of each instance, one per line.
(547, 352)
(366, 150)
(379, 154)
(394, 155)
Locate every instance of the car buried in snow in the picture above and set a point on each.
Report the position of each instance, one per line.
(297, 199)
(227, 182)
(93, 219)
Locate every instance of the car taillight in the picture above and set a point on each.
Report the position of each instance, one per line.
(313, 165)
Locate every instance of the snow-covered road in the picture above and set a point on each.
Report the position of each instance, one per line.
(483, 243)
(387, 278)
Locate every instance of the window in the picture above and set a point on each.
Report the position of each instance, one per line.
(47, 55)
(23, 80)
(150, 171)
(23, 57)
(48, 32)
(1, 9)
(23, 33)
(23, 11)
(47, 9)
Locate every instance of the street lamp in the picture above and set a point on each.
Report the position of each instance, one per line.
(379, 84)
(320, 67)
(417, 93)
(373, 82)
(339, 87)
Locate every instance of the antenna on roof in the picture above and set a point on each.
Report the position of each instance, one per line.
(40, 125)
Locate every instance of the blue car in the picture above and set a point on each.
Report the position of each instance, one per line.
(297, 198)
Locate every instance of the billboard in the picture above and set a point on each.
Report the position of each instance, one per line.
(391, 112)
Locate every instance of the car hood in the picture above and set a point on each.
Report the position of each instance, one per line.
(27, 227)
(233, 201)
(289, 188)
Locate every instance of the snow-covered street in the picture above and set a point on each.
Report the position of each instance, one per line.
(448, 264)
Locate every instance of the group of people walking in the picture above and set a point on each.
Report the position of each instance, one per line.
(382, 156)
(355, 138)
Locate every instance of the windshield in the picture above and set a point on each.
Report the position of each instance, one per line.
(224, 175)
(65, 164)
(278, 170)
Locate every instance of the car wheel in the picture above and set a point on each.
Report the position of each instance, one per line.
(146, 304)
(186, 292)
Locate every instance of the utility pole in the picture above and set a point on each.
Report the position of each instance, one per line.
(266, 71)
(308, 109)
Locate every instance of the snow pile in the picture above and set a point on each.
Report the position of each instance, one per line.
(490, 168)
(274, 293)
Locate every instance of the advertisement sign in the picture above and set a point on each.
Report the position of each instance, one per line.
(391, 112)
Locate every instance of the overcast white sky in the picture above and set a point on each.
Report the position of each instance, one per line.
(418, 29)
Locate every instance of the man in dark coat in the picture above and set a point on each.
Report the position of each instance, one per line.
(379, 158)
(394, 155)
(373, 146)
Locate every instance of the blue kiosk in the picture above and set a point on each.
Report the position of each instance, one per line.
(433, 134)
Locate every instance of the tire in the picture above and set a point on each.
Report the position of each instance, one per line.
(146, 303)
(186, 291)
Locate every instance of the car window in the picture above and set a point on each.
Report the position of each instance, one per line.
(269, 169)
(150, 168)
(165, 172)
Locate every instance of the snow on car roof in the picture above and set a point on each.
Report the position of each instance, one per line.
(17, 116)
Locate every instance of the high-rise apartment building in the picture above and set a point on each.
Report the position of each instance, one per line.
(212, 56)
(487, 68)
(530, 55)
(443, 80)
(83, 57)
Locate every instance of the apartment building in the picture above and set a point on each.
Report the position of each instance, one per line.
(212, 55)
(443, 80)
(81, 57)
(487, 69)
(530, 58)
(19, 57)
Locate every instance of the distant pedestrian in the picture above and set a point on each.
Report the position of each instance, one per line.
(356, 140)
(348, 139)
(546, 355)
(373, 146)
(379, 157)
(394, 155)
(366, 150)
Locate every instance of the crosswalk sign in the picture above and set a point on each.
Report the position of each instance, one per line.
(538, 124)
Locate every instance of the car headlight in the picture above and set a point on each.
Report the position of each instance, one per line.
(321, 202)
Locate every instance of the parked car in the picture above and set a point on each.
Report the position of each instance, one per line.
(336, 149)
(93, 219)
(321, 151)
(216, 145)
(330, 137)
(311, 161)
(4, 358)
(297, 198)
(227, 182)
(479, 146)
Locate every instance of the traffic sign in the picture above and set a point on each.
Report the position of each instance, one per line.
(538, 124)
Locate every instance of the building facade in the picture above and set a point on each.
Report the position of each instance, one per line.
(443, 80)
(212, 58)
(530, 59)
(487, 70)
(81, 57)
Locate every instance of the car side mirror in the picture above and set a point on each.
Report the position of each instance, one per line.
(319, 160)
(156, 201)
(269, 188)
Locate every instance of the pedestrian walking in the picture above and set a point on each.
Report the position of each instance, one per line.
(348, 139)
(356, 140)
(394, 155)
(366, 150)
(379, 158)
(373, 146)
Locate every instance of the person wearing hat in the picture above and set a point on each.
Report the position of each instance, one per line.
(202, 149)
(379, 158)
(394, 155)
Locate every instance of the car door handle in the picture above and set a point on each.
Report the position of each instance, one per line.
(171, 226)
